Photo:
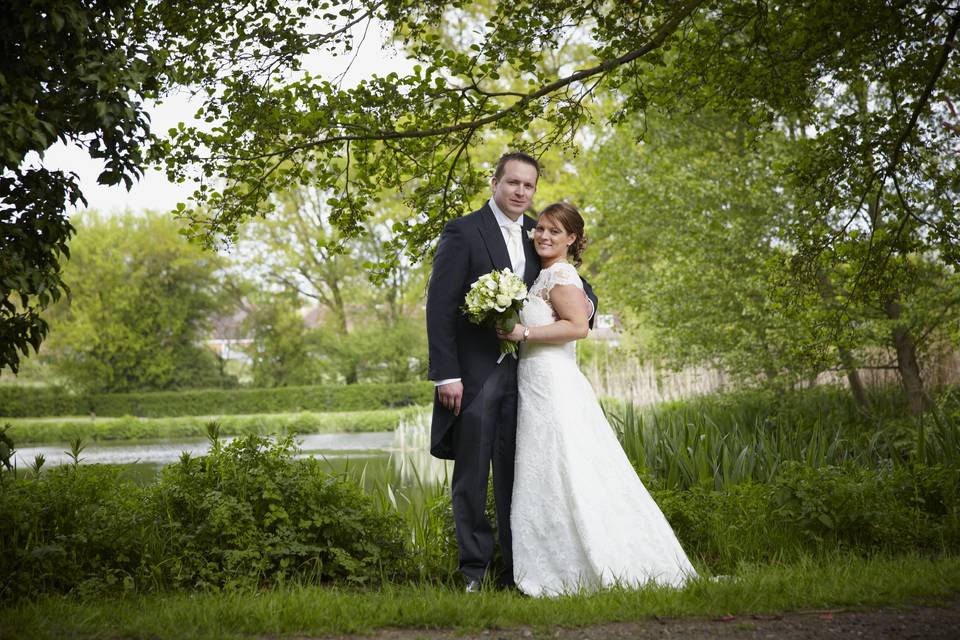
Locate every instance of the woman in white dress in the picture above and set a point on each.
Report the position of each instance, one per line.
(581, 518)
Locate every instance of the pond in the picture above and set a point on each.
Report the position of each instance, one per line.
(396, 458)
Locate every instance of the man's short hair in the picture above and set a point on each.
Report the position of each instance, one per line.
(520, 156)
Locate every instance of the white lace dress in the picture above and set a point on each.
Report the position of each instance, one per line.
(581, 518)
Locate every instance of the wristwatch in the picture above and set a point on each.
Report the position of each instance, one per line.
(526, 333)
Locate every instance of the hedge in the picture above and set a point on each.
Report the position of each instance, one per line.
(24, 402)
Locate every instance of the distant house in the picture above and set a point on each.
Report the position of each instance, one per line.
(228, 339)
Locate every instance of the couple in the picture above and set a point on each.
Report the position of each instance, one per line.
(572, 512)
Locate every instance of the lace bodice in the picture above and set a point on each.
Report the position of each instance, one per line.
(538, 311)
(557, 273)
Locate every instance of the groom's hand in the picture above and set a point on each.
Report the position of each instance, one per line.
(450, 396)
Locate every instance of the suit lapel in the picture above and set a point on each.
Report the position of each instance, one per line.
(493, 239)
(532, 268)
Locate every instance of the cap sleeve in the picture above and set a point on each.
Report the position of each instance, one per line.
(564, 273)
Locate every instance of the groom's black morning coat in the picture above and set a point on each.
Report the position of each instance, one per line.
(469, 247)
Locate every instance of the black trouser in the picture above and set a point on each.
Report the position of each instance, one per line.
(486, 433)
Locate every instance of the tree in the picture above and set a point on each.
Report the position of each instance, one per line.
(139, 305)
(685, 231)
(697, 230)
(81, 72)
(417, 134)
(281, 351)
(774, 67)
(366, 330)
(270, 127)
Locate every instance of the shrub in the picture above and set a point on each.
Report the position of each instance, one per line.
(79, 529)
(811, 511)
(45, 430)
(249, 513)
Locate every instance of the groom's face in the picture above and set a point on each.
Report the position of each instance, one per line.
(513, 192)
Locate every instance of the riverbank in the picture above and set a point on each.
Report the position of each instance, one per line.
(59, 430)
(414, 611)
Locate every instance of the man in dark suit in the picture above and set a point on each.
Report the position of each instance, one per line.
(475, 403)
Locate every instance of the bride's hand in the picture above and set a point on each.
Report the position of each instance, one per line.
(516, 335)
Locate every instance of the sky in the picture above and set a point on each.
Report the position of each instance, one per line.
(154, 191)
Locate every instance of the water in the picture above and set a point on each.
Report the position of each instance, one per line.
(159, 453)
(396, 458)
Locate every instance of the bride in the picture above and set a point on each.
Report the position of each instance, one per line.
(581, 518)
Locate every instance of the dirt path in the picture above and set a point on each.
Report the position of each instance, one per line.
(920, 622)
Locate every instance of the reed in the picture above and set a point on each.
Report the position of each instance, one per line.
(723, 441)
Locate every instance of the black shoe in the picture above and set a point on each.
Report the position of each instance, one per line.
(474, 586)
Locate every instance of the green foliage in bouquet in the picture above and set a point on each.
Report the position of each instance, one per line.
(496, 299)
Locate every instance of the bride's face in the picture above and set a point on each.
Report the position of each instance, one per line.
(551, 240)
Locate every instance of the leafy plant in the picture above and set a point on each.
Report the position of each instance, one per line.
(250, 513)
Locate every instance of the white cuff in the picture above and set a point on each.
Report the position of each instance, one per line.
(439, 383)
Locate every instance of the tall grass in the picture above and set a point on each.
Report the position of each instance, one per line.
(425, 509)
(723, 441)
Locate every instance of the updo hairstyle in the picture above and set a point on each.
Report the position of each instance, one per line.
(567, 216)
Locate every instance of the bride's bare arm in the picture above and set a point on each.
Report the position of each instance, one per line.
(572, 322)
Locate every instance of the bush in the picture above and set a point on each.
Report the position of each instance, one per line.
(20, 402)
(79, 529)
(811, 511)
(248, 514)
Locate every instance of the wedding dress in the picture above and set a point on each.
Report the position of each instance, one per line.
(580, 516)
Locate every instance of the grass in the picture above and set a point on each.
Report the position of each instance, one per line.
(26, 431)
(832, 582)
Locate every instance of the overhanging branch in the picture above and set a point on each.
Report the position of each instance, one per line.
(655, 41)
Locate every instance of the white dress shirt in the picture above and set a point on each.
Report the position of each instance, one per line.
(517, 258)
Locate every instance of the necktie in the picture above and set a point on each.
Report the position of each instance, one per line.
(515, 246)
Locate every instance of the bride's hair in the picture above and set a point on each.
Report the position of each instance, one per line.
(572, 222)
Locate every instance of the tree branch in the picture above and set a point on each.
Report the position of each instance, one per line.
(925, 96)
(656, 41)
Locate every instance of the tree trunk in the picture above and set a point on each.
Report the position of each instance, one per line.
(829, 297)
(853, 378)
(907, 363)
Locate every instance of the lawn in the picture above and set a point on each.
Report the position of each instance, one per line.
(838, 581)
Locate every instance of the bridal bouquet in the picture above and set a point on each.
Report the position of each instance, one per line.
(496, 299)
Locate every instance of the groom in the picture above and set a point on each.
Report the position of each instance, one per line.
(475, 403)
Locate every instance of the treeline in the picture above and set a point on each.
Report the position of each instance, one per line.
(150, 311)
